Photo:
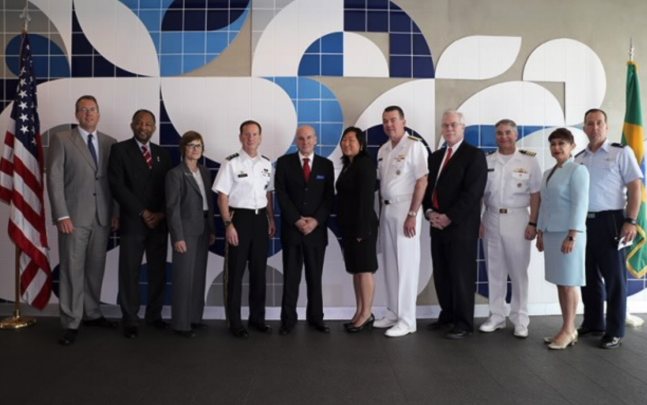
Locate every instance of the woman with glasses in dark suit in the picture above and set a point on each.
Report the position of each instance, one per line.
(189, 211)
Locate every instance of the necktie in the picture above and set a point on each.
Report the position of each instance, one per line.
(93, 151)
(148, 157)
(435, 196)
(306, 169)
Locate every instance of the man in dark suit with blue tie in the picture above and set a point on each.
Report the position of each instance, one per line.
(457, 179)
(304, 187)
(136, 172)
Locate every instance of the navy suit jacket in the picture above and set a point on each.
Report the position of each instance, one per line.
(460, 186)
(300, 199)
(135, 186)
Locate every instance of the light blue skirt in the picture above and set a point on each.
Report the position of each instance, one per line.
(564, 269)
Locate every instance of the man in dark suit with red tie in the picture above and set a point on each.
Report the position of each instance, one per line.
(137, 171)
(304, 187)
(457, 179)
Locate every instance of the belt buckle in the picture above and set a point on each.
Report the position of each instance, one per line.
(256, 211)
(590, 215)
(503, 210)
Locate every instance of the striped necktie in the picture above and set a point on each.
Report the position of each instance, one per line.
(148, 157)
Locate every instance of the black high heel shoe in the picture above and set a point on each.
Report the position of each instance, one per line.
(368, 325)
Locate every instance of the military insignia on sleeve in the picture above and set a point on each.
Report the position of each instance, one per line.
(266, 158)
(230, 157)
(414, 138)
(618, 145)
(527, 152)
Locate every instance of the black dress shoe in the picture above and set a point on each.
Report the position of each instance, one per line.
(348, 325)
(456, 334)
(260, 326)
(321, 327)
(285, 330)
(68, 337)
(199, 326)
(436, 325)
(185, 333)
(367, 325)
(101, 322)
(159, 324)
(583, 331)
(610, 342)
(130, 332)
(240, 333)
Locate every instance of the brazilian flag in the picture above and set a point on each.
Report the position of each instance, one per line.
(633, 135)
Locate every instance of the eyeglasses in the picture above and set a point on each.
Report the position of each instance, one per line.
(194, 146)
(87, 110)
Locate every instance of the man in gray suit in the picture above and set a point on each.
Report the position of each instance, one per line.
(84, 213)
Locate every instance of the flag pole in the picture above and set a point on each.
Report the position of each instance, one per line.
(633, 320)
(17, 321)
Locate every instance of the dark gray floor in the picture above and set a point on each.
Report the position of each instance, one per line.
(308, 367)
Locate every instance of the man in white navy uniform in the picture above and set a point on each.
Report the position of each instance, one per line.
(513, 183)
(244, 187)
(402, 171)
(617, 174)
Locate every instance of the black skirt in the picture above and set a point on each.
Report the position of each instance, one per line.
(359, 257)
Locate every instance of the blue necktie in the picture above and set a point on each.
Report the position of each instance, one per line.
(93, 151)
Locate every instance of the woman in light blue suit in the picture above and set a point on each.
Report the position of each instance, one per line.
(189, 212)
(562, 231)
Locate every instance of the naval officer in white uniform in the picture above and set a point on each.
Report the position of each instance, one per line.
(402, 171)
(507, 227)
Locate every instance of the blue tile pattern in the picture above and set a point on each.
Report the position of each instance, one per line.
(324, 57)
(409, 53)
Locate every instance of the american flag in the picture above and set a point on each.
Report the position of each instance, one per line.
(21, 185)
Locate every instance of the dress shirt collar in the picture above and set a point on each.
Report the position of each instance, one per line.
(147, 144)
(605, 147)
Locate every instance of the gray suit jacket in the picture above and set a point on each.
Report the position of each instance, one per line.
(184, 213)
(77, 188)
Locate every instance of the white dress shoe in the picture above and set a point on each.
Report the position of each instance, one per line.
(491, 326)
(383, 323)
(521, 332)
(398, 331)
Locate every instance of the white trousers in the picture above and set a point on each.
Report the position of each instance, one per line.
(401, 264)
(507, 253)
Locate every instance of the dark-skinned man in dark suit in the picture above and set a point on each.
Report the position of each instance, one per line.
(136, 172)
(457, 179)
(304, 187)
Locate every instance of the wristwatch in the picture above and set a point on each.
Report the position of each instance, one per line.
(227, 223)
(412, 214)
(631, 221)
(570, 238)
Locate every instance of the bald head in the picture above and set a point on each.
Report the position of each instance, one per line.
(306, 139)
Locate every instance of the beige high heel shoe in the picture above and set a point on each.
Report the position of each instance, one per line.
(554, 346)
(549, 339)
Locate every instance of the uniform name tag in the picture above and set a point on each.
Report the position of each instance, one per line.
(242, 175)
(320, 177)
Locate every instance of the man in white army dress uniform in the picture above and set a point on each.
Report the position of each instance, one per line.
(513, 183)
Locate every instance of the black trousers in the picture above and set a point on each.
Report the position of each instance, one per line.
(294, 257)
(453, 252)
(252, 227)
(131, 253)
(606, 274)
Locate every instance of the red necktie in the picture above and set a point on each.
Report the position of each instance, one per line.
(148, 157)
(435, 196)
(306, 169)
